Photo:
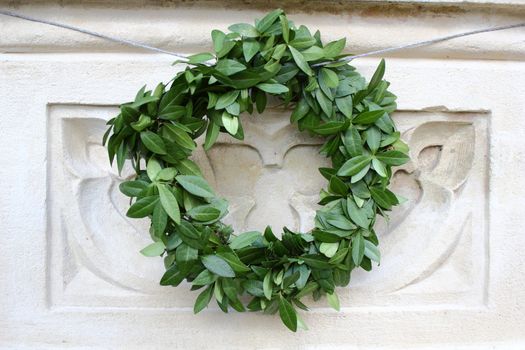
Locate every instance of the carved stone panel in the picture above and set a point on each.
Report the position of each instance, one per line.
(434, 247)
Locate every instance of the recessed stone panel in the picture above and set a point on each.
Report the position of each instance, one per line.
(434, 246)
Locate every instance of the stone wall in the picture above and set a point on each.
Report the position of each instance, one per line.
(453, 266)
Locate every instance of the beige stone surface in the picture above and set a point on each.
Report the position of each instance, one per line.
(453, 268)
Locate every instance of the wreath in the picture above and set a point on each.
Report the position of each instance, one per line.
(157, 132)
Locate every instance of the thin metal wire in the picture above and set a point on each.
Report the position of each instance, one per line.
(348, 58)
(92, 33)
(427, 42)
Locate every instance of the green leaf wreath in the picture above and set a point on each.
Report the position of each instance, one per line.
(258, 270)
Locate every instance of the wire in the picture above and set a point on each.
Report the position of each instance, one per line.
(348, 58)
(95, 34)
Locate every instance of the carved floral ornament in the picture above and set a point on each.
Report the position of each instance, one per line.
(331, 100)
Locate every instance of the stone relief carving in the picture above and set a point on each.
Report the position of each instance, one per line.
(272, 178)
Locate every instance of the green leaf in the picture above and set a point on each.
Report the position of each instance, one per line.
(390, 139)
(339, 256)
(278, 52)
(141, 124)
(204, 213)
(189, 234)
(316, 261)
(354, 165)
(129, 113)
(233, 260)
(244, 29)
(217, 265)
(169, 202)
(358, 249)
(285, 26)
(324, 102)
(329, 128)
(304, 274)
(337, 186)
(181, 136)
(144, 100)
(340, 222)
(373, 138)
(384, 198)
(368, 117)
(290, 279)
(310, 287)
(133, 188)
(167, 174)
(186, 253)
(154, 249)
(328, 249)
(267, 21)
(250, 49)
(211, 135)
(334, 48)
(300, 111)
(230, 122)
(400, 146)
(227, 99)
(217, 291)
(143, 207)
(159, 220)
(267, 285)
(230, 290)
(253, 287)
(172, 112)
(393, 157)
(377, 77)
(302, 38)
(327, 237)
(385, 123)
(273, 66)
(188, 167)
(153, 169)
(227, 46)
(314, 84)
(234, 108)
(372, 252)
(218, 39)
(244, 239)
(333, 301)
(313, 53)
(329, 77)
(300, 61)
(344, 104)
(260, 100)
(229, 67)
(203, 300)
(287, 314)
(153, 142)
(379, 167)
(212, 99)
(361, 174)
(173, 276)
(357, 215)
(204, 278)
(121, 156)
(200, 57)
(352, 141)
(195, 185)
(273, 88)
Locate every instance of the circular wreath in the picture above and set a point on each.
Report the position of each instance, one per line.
(331, 100)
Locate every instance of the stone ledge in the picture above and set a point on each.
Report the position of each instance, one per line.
(185, 27)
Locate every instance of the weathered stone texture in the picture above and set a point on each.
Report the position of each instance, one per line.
(452, 274)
